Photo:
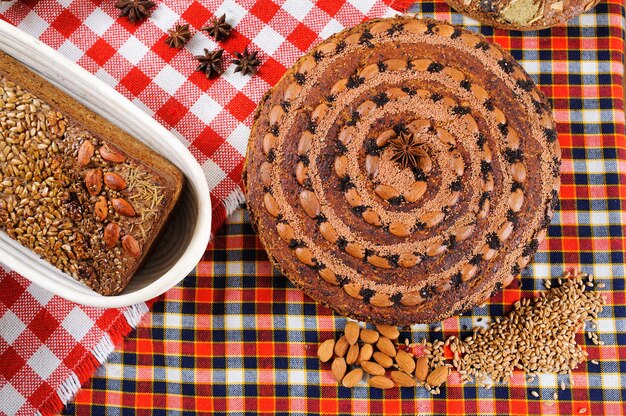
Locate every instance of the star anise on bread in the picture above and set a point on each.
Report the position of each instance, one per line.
(407, 150)
(246, 62)
(135, 10)
(218, 28)
(178, 36)
(210, 62)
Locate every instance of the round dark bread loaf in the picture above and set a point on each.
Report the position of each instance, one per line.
(403, 171)
(522, 14)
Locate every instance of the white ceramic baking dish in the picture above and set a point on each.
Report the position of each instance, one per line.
(183, 242)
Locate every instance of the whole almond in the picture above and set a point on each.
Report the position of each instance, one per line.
(380, 299)
(353, 197)
(369, 71)
(111, 155)
(341, 346)
(383, 263)
(114, 181)
(381, 382)
(101, 208)
(353, 354)
(265, 173)
(123, 207)
(371, 165)
(372, 368)
(85, 152)
(407, 260)
(356, 250)
(516, 199)
(392, 64)
(269, 142)
(131, 246)
(399, 229)
(352, 332)
(352, 378)
(435, 249)
(339, 368)
(433, 218)
(383, 359)
(93, 181)
(353, 290)
(389, 331)
(386, 191)
(425, 164)
(518, 171)
(271, 205)
(328, 232)
(305, 143)
(384, 137)
(421, 368)
(305, 255)
(285, 231)
(301, 174)
(309, 203)
(341, 166)
(438, 376)
(369, 336)
(465, 232)
(405, 361)
(385, 346)
(325, 350)
(371, 217)
(415, 191)
(365, 353)
(111, 235)
(403, 379)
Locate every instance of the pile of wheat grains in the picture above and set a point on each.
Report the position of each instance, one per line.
(537, 336)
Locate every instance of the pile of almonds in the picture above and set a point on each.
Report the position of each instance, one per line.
(376, 353)
(537, 336)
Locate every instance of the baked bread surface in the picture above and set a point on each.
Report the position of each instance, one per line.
(522, 14)
(74, 188)
(344, 217)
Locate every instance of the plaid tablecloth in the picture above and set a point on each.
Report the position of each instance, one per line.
(49, 346)
(236, 337)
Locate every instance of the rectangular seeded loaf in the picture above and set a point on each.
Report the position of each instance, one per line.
(77, 190)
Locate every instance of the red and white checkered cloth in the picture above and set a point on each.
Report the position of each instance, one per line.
(49, 346)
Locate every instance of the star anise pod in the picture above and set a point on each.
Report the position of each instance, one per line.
(135, 10)
(178, 36)
(407, 150)
(218, 28)
(246, 62)
(210, 62)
